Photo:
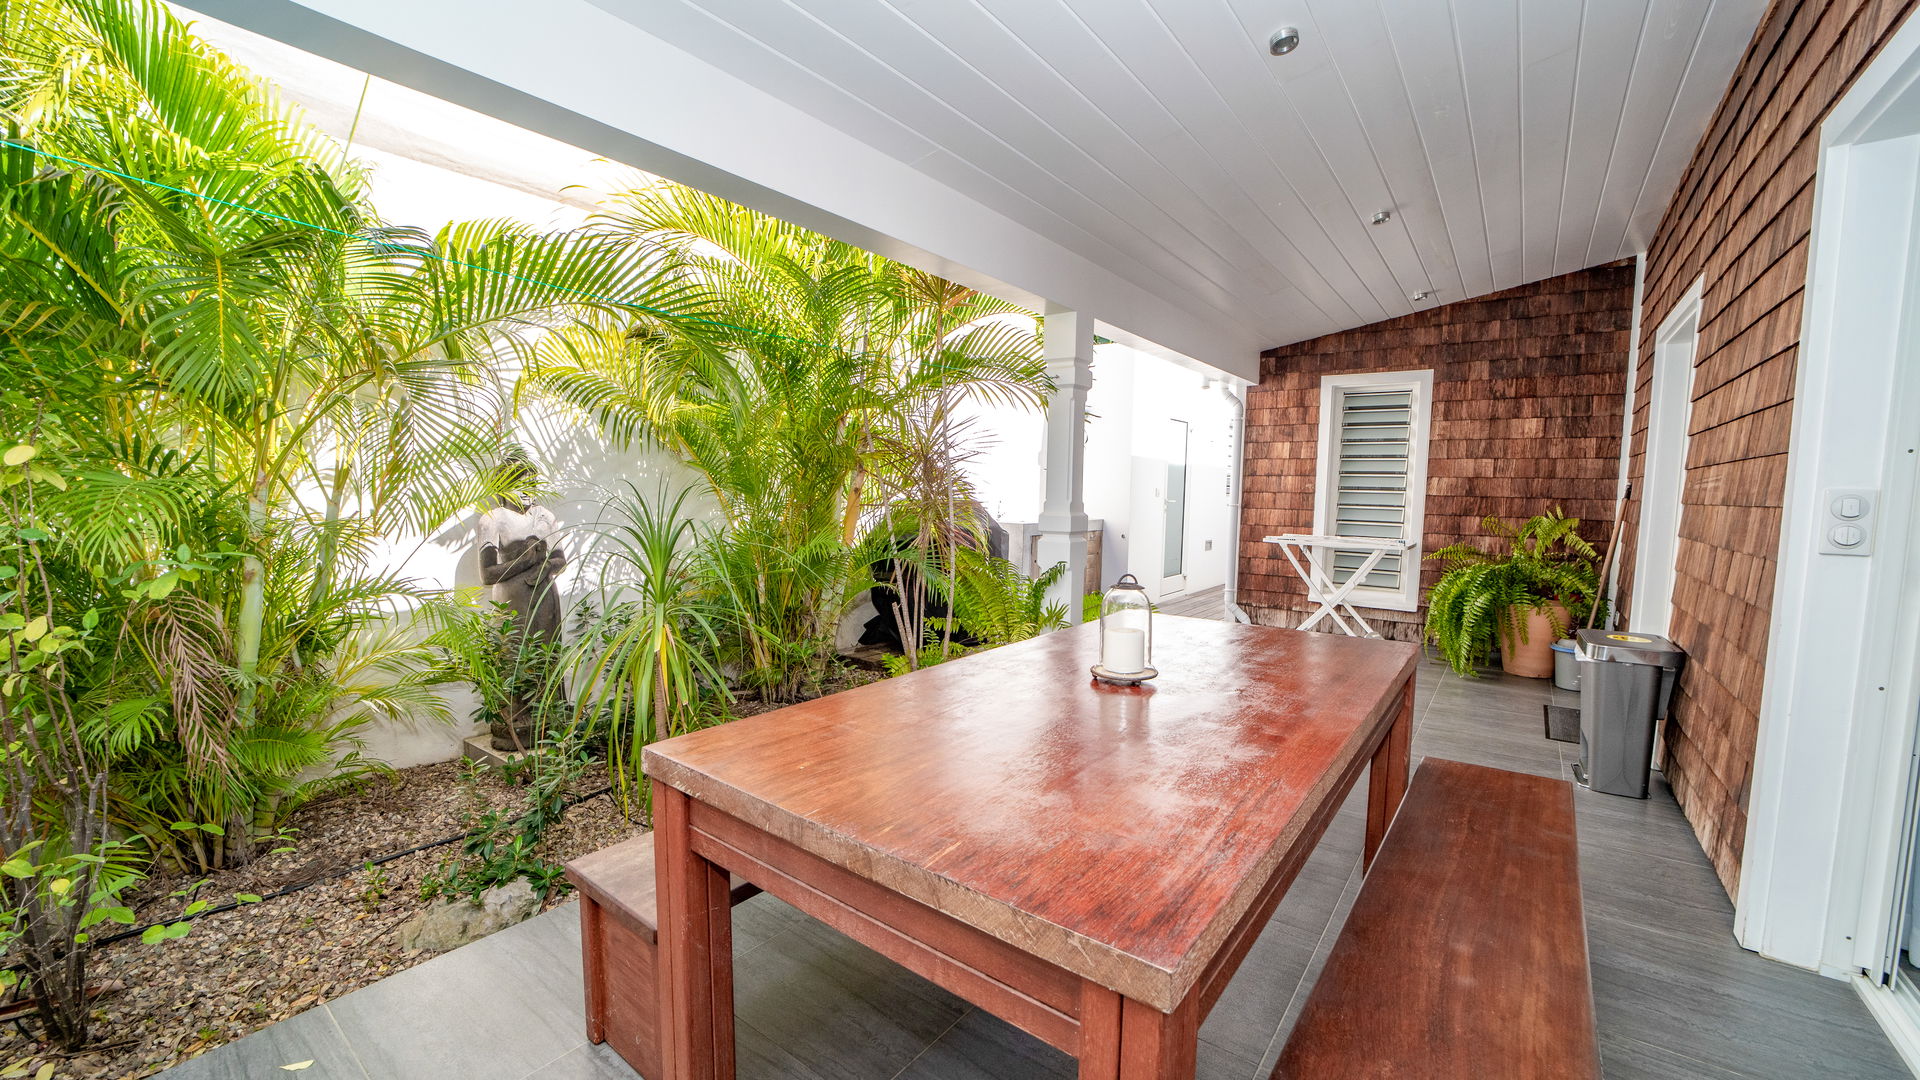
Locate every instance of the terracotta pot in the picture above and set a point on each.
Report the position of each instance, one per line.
(1533, 657)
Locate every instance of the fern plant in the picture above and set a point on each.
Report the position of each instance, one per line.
(999, 604)
(1482, 596)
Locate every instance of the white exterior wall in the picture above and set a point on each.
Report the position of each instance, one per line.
(1133, 398)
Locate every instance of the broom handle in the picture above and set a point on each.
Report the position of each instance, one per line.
(1613, 545)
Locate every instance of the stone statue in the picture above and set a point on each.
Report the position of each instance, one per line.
(520, 555)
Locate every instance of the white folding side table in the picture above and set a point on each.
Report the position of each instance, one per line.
(1316, 572)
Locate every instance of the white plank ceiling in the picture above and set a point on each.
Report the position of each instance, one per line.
(1512, 140)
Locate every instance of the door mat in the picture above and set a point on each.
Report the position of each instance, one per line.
(1563, 723)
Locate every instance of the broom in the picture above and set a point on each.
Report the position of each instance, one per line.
(1613, 544)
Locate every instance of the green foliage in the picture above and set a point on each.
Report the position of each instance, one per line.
(1482, 595)
(833, 411)
(474, 642)
(228, 388)
(243, 385)
(58, 866)
(648, 655)
(997, 603)
(500, 846)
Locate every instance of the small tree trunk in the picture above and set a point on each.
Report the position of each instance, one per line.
(662, 722)
(249, 627)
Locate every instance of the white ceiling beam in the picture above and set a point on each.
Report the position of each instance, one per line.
(574, 72)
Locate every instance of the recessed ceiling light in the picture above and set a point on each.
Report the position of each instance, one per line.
(1284, 40)
(1419, 296)
(1381, 217)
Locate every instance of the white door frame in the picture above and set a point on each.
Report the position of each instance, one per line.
(1831, 765)
(1663, 476)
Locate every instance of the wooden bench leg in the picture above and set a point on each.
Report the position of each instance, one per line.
(696, 950)
(594, 968)
(1387, 774)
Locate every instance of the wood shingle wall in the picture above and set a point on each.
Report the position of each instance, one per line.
(1739, 222)
(1528, 393)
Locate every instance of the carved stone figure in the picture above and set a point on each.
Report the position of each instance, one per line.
(520, 555)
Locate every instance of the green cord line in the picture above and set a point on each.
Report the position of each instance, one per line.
(424, 252)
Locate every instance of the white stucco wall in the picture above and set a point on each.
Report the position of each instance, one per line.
(1134, 398)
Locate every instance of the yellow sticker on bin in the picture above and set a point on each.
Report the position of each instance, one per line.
(1635, 639)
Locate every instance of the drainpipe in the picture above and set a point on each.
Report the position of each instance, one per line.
(1236, 461)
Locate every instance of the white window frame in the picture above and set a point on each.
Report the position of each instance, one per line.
(1420, 383)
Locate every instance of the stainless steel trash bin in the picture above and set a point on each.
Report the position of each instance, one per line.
(1626, 682)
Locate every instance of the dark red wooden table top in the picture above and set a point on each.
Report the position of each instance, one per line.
(1119, 833)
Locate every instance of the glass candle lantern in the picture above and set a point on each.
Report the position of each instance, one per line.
(1126, 634)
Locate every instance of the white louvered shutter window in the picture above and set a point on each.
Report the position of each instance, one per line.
(1372, 477)
(1375, 432)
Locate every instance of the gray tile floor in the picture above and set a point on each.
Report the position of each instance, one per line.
(1676, 997)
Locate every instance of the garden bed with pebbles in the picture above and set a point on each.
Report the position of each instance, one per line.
(240, 970)
(336, 930)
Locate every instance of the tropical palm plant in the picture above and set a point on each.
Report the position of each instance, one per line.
(270, 381)
(832, 362)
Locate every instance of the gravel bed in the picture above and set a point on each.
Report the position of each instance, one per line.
(240, 970)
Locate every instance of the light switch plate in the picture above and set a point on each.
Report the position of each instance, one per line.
(1847, 518)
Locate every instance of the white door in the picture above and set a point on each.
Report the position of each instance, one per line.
(1173, 559)
(1663, 480)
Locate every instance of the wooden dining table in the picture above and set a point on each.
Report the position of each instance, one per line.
(1088, 862)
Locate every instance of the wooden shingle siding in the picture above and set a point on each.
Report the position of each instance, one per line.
(1740, 220)
(1528, 391)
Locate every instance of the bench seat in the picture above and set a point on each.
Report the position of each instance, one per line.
(1465, 954)
(619, 947)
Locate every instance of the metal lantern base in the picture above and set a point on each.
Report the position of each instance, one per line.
(1130, 678)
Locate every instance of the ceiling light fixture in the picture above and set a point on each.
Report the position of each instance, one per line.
(1284, 40)
(1419, 296)
(1381, 217)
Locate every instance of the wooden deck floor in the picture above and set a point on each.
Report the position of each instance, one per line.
(1675, 996)
(1203, 604)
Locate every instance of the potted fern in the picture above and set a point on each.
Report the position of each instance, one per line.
(1523, 598)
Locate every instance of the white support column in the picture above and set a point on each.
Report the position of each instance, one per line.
(1063, 514)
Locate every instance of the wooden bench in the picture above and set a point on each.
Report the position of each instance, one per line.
(619, 948)
(1466, 951)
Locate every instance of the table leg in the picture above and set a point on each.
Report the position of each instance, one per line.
(696, 949)
(1099, 1032)
(1387, 774)
(1121, 1039)
(1156, 1045)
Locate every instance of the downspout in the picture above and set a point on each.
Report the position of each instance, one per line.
(1236, 461)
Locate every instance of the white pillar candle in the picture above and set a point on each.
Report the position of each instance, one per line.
(1125, 650)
